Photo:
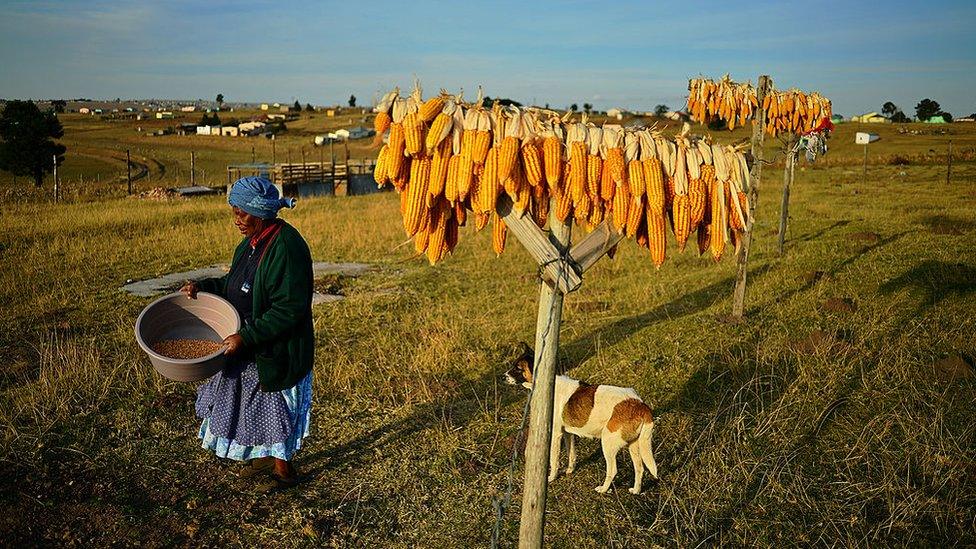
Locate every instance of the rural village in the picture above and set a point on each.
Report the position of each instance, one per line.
(426, 310)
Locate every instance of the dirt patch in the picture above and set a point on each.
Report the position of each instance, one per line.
(945, 225)
(728, 318)
(843, 305)
(158, 193)
(331, 284)
(812, 277)
(865, 237)
(591, 306)
(822, 342)
(953, 367)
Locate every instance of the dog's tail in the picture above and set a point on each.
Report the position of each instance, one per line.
(644, 445)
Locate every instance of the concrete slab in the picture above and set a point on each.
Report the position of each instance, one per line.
(172, 281)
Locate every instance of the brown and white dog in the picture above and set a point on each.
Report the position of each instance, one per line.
(615, 415)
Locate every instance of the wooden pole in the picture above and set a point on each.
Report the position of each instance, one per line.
(787, 183)
(252, 154)
(304, 168)
(193, 168)
(949, 165)
(864, 171)
(128, 170)
(537, 445)
(274, 158)
(758, 134)
(56, 189)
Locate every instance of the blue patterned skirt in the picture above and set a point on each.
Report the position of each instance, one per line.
(242, 422)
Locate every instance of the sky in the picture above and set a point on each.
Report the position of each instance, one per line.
(632, 55)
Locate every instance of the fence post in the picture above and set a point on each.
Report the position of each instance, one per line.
(787, 183)
(193, 168)
(949, 163)
(56, 189)
(758, 134)
(128, 170)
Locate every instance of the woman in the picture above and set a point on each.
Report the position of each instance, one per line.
(257, 408)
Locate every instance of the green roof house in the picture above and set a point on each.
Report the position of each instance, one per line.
(937, 119)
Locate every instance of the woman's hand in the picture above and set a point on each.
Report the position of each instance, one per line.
(234, 343)
(190, 289)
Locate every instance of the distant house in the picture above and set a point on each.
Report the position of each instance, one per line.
(870, 118)
(264, 106)
(359, 132)
(283, 108)
(677, 116)
(937, 119)
(97, 111)
(231, 131)
(967, 119)
(164, 115)
(330, 113)
(84, 110)
(276, 117)
(188, 108)
(615, 113)
(249, 128)
(208, 130)
(836, 119)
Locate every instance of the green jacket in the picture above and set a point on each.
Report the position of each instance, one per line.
(281, 334)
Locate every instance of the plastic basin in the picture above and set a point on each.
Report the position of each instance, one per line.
(175, 316)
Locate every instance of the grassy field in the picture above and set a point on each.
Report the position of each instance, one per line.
(809, 424)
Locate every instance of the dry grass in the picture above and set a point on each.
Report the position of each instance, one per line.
(769, 433)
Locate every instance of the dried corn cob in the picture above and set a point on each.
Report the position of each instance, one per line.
(416, 206)
(382, 123)
(438, 228)
(654, 181)
(439, 130)
(431, 108)
(635, 176)
(577, 171)
(697, 197)
(540, 205)
(620, 208)
(594, 171)
(552, 152)
(414, 134)
(438, 171)
(488, 185)
(380, 174)
(499, 233)
(635, 213)
(481, 220)
(564, 205)
(450, 181)
(397, 148)
(532, 163)
(681, 217)
(608, 187)
(482, 142)
(656, 237)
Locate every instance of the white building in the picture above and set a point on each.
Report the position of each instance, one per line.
(231, 131)
(615, 113)
(208, 130)
(188, 108)
(164, 115)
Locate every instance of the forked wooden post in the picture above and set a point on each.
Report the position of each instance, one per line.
(787, 183)
(562, 272)
(540, 415)
(758, 133)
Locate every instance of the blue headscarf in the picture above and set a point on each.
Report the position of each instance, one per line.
(257, 196)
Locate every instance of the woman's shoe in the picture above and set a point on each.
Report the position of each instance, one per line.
(256, 467)
(275, 483)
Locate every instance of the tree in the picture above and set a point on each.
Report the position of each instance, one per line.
(220, 99)
(59, 105)
(661, 110)
(587, 108)
(573, 107)
(899, 117)
(210, 120)
(297, 106)
(889, 108)
(309, 107)
(946, 116)
(26, 147)
(926, 109)
(352, 100)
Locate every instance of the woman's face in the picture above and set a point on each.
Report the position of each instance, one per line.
(248, 224)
